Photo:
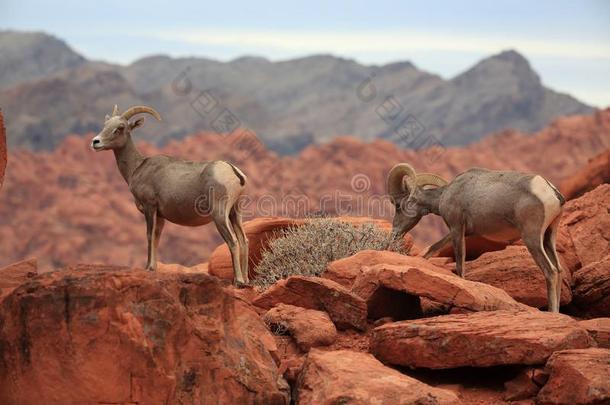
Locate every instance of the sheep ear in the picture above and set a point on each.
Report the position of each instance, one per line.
(107, 117)
(403, 184)
(136, 123)
(406, 185)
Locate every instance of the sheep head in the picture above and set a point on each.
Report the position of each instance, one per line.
(117, 127)
(405, 188)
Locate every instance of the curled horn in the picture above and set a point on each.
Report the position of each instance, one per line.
(140, 109)
(429, 179)
(401, 181)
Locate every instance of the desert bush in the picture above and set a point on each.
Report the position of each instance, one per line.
(307, 249)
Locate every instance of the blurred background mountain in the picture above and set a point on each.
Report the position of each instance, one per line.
(47, 91)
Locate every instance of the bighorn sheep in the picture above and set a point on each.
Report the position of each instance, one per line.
(496, 205)
(183, 192)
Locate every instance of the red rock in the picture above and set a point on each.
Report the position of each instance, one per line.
(514, 270)
(577, 377)
(344, 271)
(344, 376)
(475, 247)
(587, 219)
(261, 231)
(16, 274)
(422, 279)
(344, 308)
(114, 336)
(526, 384)
(592, 288)
(596, 172)
(290, 356)
(568, 255)
(479, 339)
(2, 149)
(599, 329)
(177, 268)
(291, 367)
(310, 328)
(446, 262)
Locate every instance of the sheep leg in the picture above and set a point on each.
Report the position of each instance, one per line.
(535, 245)
(550, 248)
(235, 218)
(151, 231)
(459, 247)
(157, 236)
(432, 250)
(224, 228)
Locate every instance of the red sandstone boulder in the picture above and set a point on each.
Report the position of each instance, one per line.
(82, 336)
(480, 339)
(178, 268)
(568, 256)
(475, 247)
(577, 377)
(260, 231)
(344, 271)
(514, 270)
(308, 327)
(3, 155)
(16, 274)
(419, 278)
(344, 376)
(344, 308)
(599, 329)
(525, 384)
(587, 220)
(592, 288)
(596, 172)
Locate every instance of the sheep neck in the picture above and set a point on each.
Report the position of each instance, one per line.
(430, 199)
(128, 158)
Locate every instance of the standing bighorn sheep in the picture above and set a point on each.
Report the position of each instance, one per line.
(183, 192)
(497, 205)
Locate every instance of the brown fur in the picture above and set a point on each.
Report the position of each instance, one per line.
(180, 191)
(497, 205)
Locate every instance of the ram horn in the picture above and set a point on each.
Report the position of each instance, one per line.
(401, 180)
(429, 179)
(140, 109)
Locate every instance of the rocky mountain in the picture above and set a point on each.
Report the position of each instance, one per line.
(288, 104)
(71, 205)
(26, 56)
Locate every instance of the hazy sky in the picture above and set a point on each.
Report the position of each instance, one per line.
(567, 42)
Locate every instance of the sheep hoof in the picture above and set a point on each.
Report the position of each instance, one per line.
(240, 284)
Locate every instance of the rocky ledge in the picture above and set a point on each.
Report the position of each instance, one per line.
(376, 327)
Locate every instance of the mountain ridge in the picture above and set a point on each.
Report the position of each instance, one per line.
(289, 104)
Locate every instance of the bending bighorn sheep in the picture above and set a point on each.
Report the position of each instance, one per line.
(183, 192)
(497, 205)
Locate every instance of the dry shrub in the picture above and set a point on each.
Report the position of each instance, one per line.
(307, 249)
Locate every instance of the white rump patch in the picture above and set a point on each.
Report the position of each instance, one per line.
(545, 193)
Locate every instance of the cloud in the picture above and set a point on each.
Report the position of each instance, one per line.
(390, 41)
